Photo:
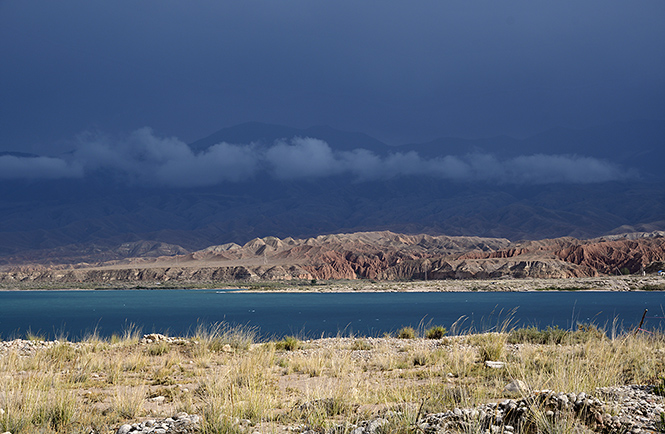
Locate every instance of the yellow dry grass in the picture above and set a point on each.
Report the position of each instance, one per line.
(239, 386)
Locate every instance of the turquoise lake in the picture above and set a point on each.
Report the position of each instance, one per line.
(75, 314)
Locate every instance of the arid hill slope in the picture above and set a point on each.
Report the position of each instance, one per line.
(366, 255)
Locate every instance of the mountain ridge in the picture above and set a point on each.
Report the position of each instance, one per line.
(364, 255)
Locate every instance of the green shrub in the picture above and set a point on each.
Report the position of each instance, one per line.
(158, 348)
(289, 343)
(586, 333)
(533, 335)
(436, 332)
(360, 344)
(420, 360)
(34, 336)
(56, 413)
(406, 333)
(555, 335)
(491, 346)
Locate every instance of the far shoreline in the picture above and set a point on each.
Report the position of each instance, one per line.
(597, 284)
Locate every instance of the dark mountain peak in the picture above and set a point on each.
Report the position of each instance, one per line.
(246, 133)
(345, 140)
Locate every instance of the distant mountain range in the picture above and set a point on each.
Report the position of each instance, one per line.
(363, 255)
(50, 220)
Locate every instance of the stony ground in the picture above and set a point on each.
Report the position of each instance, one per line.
(341, 385)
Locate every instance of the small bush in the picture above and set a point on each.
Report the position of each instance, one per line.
(555, 335)
(406, 333)
(56, 413)
(215, 422)
(214, 337)
(158, 348)
(491, 346)
(532, 335)
(436, 332)
(289, 343)
(62, 353)
(586, 333)
(420, 360)
(34, 337)
(128, 402)
(361, 345)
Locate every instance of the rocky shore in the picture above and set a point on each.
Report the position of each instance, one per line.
(630, 409)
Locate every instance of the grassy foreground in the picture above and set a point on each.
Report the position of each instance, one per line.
(237, 385)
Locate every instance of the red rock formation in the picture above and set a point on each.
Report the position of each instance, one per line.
(610, 257)
(373, 255)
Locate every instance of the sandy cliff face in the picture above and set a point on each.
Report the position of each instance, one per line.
(367, 255)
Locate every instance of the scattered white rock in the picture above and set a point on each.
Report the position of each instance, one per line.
(516, 387)
(182, 423)
(124, 429)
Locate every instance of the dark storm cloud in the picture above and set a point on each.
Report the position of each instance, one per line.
(144, 158)
(401, 71)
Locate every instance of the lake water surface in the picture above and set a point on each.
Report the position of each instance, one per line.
(178, 312)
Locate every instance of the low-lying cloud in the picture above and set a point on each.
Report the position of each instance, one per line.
(148, 159)
(142, 157)
(18, 167)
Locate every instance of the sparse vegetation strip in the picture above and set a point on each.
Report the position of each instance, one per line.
(220, 380)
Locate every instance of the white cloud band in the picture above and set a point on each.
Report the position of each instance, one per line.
(146, 158)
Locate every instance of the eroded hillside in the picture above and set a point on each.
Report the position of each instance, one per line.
(364, 255)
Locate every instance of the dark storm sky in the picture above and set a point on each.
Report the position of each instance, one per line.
(401, 71)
